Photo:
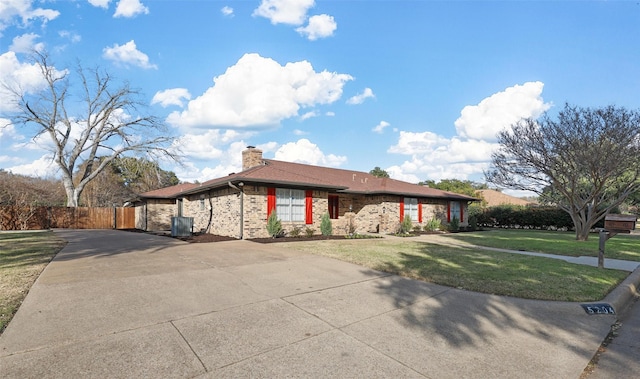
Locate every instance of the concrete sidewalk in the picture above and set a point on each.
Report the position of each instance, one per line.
(121, 305)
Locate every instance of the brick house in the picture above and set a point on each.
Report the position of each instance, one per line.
(238, 205)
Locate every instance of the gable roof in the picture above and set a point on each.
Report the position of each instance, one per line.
(279, 173)
(168, 192)
(494, 198)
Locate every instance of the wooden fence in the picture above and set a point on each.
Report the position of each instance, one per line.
(34, 218)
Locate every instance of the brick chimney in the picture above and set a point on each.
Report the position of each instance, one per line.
(251, 157)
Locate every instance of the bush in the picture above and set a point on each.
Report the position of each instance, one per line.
(406, 225)
(309, 231)
(325, 225)
(511, 216)
(274, 226)
(296, 231)
(433, 225)
(454, 225)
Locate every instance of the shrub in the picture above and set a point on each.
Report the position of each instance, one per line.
(296, 231)
(309, 231)
(325, 225)
(417, 229)
(433, 225)
(274, 226)
(454, 225)
(406, 225)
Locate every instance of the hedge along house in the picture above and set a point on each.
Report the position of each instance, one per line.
(238, 205)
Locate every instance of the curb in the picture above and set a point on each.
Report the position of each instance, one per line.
(625, 293)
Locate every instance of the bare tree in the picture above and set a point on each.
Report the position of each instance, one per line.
(587, 161)
(107, 119)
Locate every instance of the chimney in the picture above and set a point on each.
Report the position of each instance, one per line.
(251, 157)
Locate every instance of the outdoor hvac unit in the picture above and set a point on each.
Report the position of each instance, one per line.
(181, 226)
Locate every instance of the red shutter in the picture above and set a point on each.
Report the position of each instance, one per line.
(419, 210)
(271, 200)
(401, 209)
(449, 211)
(309, 207)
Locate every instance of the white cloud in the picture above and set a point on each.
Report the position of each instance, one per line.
(299, 132)
(308, 115)
(501, 110)
(21, 77)
(22, 9)
(71, 36)
(468, 153)
(127, 54)
(361, 97)
(304, 151)
(26, 43)
(210, 144)
(100, 3)
(130, 8)
(227, 11)
(41, 167)
(319, 26)
(291, 12)
(173, 96)
(380, 127)
(258, 91)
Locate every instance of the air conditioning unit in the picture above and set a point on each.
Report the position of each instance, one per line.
(181, 226)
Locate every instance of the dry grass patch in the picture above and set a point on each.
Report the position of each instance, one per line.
(23, 256)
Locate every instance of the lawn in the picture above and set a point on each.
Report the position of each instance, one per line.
(621, 246)
(473, 269)
(23, 256)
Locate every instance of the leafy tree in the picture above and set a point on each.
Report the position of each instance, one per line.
(464, 187)
(378, 172)
(586, 161)
(106, 119)
(123, 179)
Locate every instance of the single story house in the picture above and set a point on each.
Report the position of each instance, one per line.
(239, 204)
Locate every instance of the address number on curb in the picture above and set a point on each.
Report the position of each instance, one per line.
(598, 309)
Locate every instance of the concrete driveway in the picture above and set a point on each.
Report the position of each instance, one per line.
(115, 304)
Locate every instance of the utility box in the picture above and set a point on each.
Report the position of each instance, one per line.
(181, 226)
(620, 222)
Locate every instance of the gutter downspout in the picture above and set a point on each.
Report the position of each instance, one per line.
(239, 187)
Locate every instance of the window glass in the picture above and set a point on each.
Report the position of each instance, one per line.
(411, 208)
(454, 211)
(290, 204)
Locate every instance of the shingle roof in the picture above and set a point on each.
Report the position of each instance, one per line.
(494, 198)
(168, 192)
(273, 172)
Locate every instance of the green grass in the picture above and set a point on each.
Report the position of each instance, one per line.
(23, 256)
(621, 246)
(475, 270)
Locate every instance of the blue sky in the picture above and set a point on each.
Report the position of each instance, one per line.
(418, 88)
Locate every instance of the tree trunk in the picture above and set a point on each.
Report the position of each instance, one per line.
(73, 194)
(582, 230)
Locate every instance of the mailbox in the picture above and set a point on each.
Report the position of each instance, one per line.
(620, 222)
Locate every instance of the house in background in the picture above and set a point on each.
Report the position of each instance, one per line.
(239, 204)
(494, 198)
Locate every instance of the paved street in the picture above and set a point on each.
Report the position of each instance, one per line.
(122, 305)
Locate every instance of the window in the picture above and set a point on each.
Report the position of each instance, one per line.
(202, 204)
(290, 204)
(411, 208)
(455, 211)
(333, 206)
